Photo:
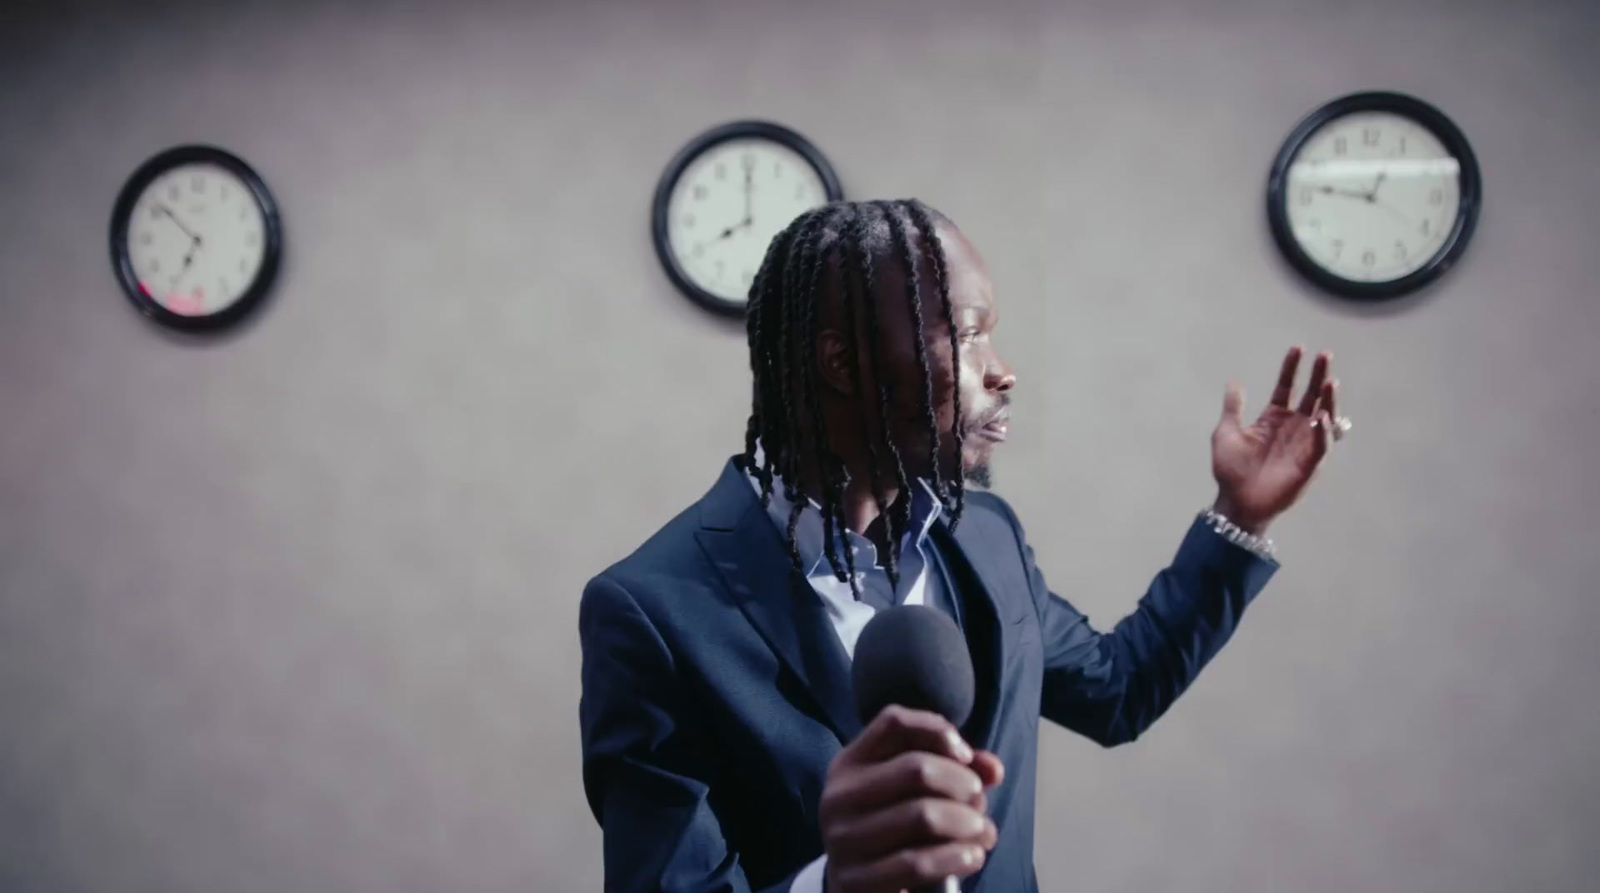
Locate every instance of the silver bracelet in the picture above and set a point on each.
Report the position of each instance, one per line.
(1237, 535)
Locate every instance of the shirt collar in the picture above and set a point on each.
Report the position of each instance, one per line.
(809, 531)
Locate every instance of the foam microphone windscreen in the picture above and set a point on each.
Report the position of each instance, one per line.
(916, 657)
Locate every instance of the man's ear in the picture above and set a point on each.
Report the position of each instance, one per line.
(833, 362)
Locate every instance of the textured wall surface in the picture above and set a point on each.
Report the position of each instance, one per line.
(296, 609)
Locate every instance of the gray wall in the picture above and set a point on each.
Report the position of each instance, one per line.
(296, 609)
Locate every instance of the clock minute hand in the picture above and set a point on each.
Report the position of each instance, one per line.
(749, 189)
(174, 218)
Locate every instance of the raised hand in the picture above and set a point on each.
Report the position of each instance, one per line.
(1263, 468)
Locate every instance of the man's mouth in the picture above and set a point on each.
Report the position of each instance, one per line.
(997, 427)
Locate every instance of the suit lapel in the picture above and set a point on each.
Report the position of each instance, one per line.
(969, 555)
(748, 552)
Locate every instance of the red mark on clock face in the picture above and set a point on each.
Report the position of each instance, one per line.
(187, 305)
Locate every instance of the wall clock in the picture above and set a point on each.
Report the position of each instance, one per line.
(722, 199)
(1374, 195)
(195, 238)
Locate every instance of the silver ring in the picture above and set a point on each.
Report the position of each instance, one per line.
(1341, 427)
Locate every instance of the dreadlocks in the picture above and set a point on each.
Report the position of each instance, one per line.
(786, 418)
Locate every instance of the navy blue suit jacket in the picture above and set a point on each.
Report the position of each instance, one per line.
(716, 692)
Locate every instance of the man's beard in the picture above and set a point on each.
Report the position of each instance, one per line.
(980, 476)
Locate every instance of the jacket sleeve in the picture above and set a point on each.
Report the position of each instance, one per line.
(1112, 686)
(646, 766)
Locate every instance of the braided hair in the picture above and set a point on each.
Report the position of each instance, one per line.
(786, 418)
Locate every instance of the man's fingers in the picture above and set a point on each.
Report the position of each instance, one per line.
(1291, 363)
(912, 823)
(1324, 435)
(910, 869)
(910, 775)
(896, 729)
(1319, 376)
(1233, 404)
(989, 768)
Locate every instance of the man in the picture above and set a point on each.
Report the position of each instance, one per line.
(720, 748)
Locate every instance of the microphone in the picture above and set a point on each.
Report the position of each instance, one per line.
(916, 657)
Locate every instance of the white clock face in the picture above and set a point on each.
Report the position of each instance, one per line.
(729, 203)
(196, 239)
(1372, 196)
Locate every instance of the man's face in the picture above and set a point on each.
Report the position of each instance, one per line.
(984, 382)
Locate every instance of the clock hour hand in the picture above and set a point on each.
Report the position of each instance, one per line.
(722, 236)
(188, 260)
(746, 223)
(1372, 194)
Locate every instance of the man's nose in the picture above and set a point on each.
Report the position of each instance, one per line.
(999, 377)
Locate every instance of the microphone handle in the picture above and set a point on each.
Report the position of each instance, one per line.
(951, 884)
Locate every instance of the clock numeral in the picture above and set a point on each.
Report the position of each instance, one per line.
(777, 169)
(1400, 251)
(721, 171)
(800, 191)
(1369, 136)
(222, 192)
(720, 267)
(1340, 145)
(1305, 195)
(1436, 196)
(252, 238)
(688, 220)
(1427, 226)
(1338, 248)
(700, 192)
(699, 251)
(1368, 258)
(749, 162)
(173, 192)
(243, 213)
(1402, 145)
(155, 212)
(1315, 223)
(197, 184)
(145, 238)
(244, 266)
(225, 290)
(155, 264)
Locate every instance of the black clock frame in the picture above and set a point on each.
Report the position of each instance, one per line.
(765, 130)
(1455, 242)
(121, 218)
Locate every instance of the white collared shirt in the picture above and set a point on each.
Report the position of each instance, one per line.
(847, 615)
